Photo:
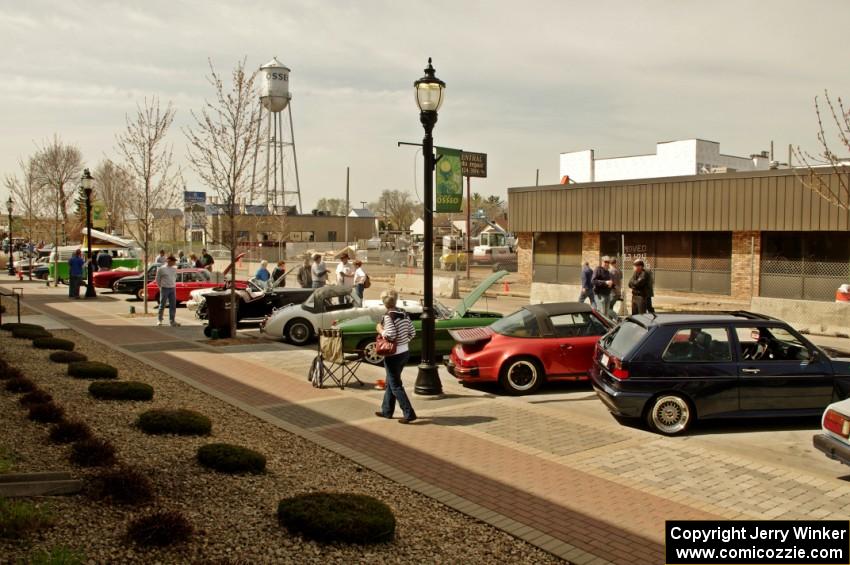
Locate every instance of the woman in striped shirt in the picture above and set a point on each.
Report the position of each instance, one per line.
(396, 326)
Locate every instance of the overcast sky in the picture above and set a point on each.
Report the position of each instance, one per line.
(525, 80)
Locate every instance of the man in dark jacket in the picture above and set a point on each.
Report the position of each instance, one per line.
(587, 285)
(641, 287)
(104, 261)
(602, 284)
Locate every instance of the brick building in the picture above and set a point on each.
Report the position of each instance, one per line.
(738, 235)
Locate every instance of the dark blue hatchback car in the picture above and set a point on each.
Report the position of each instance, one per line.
(671, 369)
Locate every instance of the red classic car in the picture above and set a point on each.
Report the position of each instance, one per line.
(105, 279)
(540, 342)
(187, 281)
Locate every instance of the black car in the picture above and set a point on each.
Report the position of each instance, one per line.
(135, 284)
(255, 303)
(671, 369)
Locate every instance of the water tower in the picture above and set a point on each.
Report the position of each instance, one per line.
(280, 170)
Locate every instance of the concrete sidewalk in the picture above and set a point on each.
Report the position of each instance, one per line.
(555, 471)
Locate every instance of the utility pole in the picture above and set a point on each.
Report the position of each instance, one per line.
(347, 205)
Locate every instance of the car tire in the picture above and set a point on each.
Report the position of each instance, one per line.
(521, 375)
(140, 295)
(298, 332)
(114, 284)
(370, 354)
(670, 414)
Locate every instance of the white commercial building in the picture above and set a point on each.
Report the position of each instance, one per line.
(671, 159)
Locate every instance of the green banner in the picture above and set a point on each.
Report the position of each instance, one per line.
(449, 180)
(98, 215)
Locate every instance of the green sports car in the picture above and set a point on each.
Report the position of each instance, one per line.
(358, 335)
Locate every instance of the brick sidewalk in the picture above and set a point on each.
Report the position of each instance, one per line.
(588, 492)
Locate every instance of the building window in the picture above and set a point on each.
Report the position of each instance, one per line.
(804, 266)
(331, 236)
(557, 257)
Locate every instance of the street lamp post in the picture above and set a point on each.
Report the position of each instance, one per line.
(86, 182)
(11, 245)
(429, 98)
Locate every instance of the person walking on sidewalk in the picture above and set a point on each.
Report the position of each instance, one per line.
(639, 284)
(396, 327)
(617, 287)
(75, 274)
(305, 277)
(587, 285)
(166, 280)
(318, 272)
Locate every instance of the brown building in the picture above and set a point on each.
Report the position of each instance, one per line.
(302, 227)
(738, 235)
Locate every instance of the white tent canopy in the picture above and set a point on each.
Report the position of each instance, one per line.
(102, 239)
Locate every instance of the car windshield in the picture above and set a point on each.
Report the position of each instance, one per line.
(519, 324)
(443, 312)
(623, 339)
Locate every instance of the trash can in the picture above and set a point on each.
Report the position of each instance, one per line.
(218, 314)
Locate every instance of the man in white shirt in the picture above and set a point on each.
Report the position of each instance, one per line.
(166, 280)
(345, 272)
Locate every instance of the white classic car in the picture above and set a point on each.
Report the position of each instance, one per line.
(299, 323)
(835, 439)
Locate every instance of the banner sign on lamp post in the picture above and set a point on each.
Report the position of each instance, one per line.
(449, 180)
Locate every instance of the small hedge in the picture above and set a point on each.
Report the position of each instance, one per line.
(181, 422)
(19, 518)
(337, 517)
(92, 370)
(124, 486)
(30, 333)
(69, 432)
(227, 458)
(20, 385)
(92, 452)
(47, 413)
(67, 357)
(9, 372)
(160, 529)
(37, 396)
(121, 390)
(11, 326)
(53, 343)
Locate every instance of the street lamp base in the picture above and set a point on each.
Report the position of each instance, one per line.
(12, 271)
(428, 381)
(90, 292)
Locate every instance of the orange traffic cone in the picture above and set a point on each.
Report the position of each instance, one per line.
(506, 287)
(380, 384)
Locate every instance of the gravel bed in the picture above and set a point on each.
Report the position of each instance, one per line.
(234, 516)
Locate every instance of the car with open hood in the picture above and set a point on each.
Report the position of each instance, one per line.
(536, 344)
(359, 335)
(300, 323)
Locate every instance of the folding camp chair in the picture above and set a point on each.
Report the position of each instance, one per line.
(332, 364)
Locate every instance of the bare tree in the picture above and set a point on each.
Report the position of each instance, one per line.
(113, 185)
(827, 161)
(221, 149)
(397, 208)
(148, 162)
(336, 206)
(28, 194)
(56, 167)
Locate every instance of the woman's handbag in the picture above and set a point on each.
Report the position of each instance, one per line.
(383, 346)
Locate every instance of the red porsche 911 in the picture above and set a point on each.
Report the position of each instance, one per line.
(540, 342)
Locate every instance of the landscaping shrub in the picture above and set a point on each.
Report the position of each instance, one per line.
(69, 432)
(67, 357)
(337, 517)
(124, 486)
(37, 396)
(53, 343)
(47, 413)
(20, 384)
(11, 326)
(180, 422)
(7, 460)
(92, 370)
(30, 333)
(92, 452)
(160, 528)
(121, 390)
(56, 556)
(228, 458)
(19, 518)
(9, 372)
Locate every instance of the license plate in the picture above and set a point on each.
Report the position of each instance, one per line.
(604, 360)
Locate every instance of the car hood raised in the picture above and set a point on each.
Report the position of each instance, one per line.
(475, 295)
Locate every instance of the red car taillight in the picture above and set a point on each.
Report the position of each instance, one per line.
(837, 423)
(617, 369)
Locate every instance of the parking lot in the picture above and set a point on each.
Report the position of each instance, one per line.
(554, 466)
